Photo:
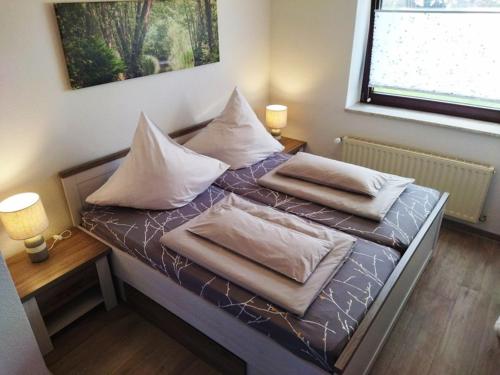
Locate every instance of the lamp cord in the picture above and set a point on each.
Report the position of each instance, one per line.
(64, 235)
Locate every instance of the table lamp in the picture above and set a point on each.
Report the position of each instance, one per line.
(276, 117)
(24, 218)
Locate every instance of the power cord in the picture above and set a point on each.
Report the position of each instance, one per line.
(64, 235)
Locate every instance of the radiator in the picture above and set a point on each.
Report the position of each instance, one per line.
(467, 182)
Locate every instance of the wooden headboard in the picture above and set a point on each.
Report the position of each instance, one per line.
(82, 180)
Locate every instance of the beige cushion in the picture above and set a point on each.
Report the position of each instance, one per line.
(333, 173)
(287, 251)
(157, 173)
(374, 208)
(276, 288)
(236, 137)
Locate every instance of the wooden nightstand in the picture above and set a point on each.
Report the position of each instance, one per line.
(75, 279)
(292, 146)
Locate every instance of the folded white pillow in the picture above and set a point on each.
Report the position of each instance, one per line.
(236, 137)
(334, 173)
(157, 173)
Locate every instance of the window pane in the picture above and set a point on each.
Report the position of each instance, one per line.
(453, 54)
(442, 4)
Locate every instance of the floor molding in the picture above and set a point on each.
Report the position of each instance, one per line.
(462, 227)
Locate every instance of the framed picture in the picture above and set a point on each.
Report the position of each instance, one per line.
(117, 40)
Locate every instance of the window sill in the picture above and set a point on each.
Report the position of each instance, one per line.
(457, 123)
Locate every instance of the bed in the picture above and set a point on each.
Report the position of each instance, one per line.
(376, 278)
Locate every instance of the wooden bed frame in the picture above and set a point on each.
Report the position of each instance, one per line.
(262, 354)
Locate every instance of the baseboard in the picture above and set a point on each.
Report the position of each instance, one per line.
(447, 223)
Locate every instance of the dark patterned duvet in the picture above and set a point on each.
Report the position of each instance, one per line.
(397, 230)
(318, 337)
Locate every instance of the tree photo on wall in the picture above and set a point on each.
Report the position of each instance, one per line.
(113, 41)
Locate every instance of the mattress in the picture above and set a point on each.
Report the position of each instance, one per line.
(396, 230)
(318, 337)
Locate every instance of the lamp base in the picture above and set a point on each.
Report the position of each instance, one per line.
(276, 133)
(36, 248)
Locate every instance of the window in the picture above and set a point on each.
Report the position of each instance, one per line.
(439, 56)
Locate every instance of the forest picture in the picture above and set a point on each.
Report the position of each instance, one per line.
(113, 41)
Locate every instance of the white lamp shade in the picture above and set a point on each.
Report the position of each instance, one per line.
(276, 116)
(23, 216)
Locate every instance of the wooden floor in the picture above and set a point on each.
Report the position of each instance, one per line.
(120, 342)
(446, 328)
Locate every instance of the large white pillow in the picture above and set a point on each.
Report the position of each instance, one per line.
(236, 137)
(158, 173)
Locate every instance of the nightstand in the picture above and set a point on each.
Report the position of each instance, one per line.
(75, 279)
(292, 146)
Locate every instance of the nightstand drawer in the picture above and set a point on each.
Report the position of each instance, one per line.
(67, 289)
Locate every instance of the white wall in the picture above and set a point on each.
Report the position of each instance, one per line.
(19, 353)
(311, 44)
(46, 127)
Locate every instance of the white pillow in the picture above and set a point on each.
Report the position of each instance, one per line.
(158, 173)
(236, 137)
(334, 173)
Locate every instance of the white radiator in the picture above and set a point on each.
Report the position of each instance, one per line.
(467, 182)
